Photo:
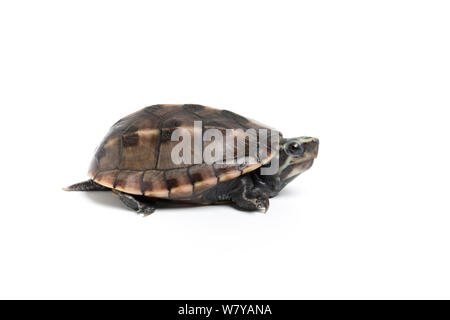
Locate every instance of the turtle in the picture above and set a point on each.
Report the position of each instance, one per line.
(135, 159)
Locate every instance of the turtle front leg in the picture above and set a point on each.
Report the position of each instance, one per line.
(135, 204)
(245, 195)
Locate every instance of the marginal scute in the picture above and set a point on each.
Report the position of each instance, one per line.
(129, 181)
(139, 147)
(227, 172)
(106, 178)
(250, 167)
(154, 184)
(203, 177)
(178, 183)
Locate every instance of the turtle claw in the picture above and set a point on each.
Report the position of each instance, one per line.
(146, 211)
(263, 203)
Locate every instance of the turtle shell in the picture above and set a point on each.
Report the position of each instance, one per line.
(135, 155)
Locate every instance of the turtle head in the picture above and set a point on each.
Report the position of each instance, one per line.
(296, 156)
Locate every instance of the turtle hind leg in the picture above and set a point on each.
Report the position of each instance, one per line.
(136, 204)
(89, 185)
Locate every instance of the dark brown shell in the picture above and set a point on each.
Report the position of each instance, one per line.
(134, 157)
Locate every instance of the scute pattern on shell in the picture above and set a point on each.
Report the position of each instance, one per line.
(135, 155)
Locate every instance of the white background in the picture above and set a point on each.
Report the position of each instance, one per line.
(371, 79)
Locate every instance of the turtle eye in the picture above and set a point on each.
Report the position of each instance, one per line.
(294, 148)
